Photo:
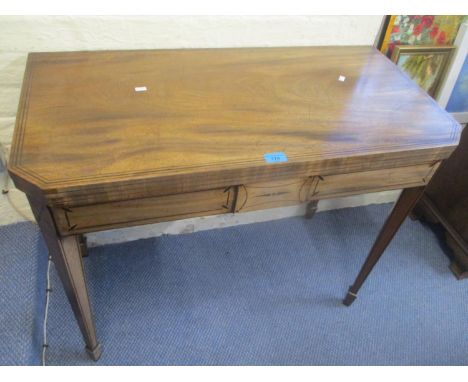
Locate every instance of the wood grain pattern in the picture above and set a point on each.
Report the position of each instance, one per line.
(83, 134)
(373, 181)
(276, 193)
(98, 217)
(295, 191)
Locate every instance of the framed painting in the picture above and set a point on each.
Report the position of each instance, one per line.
(439, 30)
(425, 65)
(453, 94)
(458, 101)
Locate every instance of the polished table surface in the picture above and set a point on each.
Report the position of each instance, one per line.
(83, 129)
(118, 138)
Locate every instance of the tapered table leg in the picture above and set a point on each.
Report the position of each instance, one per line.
(402, 208)
(66, 253)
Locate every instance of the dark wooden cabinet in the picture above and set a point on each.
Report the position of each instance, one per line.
(445, 201)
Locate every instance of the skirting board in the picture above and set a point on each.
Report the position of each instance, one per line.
(228, 220)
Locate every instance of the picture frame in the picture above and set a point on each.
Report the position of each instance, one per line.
(426, 65)
(434, 30)
(454, 87)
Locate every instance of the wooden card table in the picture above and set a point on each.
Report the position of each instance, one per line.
(122, 138)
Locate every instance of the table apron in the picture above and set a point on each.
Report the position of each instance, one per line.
(235, 198)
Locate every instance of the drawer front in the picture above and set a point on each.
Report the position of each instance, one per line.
(143, 211)
(372, 181)
(276, 194)
(296, 191)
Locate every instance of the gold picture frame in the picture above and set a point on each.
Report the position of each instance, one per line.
(426, 65)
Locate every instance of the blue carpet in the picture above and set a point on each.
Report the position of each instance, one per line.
(259, 294)
(23, 266)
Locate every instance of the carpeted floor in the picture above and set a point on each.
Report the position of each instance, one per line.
(23, 266)
(259, 294)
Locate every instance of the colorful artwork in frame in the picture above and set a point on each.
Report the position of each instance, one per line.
(458, 101)
(423, 64)
(420, 30)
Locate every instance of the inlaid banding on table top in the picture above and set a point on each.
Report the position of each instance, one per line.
(289, 71)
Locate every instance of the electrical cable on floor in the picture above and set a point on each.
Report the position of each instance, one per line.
(45, 344)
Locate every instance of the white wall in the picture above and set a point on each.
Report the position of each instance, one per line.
(20, 35)
(39, 33)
